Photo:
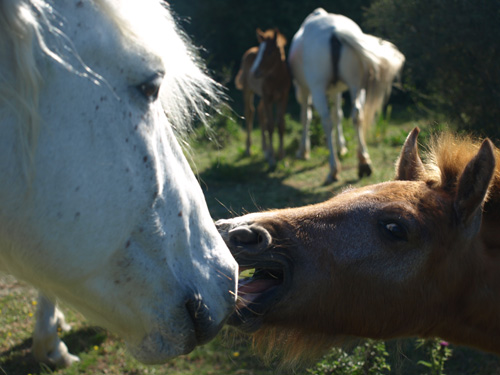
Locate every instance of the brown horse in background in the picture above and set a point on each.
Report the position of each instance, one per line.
(264, 72)
(418, 256)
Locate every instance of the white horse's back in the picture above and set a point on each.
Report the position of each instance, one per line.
(319, 26)
(98, 205)
(330, 54)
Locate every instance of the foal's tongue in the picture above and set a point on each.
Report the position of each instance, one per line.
(257, 286)
(250, 291)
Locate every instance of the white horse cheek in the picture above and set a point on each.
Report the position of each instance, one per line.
(178, 221)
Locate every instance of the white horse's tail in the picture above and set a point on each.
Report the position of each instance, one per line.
(382, 64)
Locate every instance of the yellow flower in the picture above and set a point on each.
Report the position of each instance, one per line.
(96, 347)
(34, 303)
(30, 314)
(236, 354)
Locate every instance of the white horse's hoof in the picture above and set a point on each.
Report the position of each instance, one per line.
(342, 151)
(58, 356)
(61, 358)
(331, 178)
(47, 346)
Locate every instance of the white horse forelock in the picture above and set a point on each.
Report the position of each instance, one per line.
(25, 25)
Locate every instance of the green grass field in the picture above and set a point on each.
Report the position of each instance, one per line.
(235, 184)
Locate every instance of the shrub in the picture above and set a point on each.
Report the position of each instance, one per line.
(367, 358)
(452, 50)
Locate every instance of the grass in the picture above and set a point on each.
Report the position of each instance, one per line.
(235, 184)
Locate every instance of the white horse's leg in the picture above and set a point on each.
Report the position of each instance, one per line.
(304, 99)
(364, 166)
(337, 116)
(320, 102)
(47, 347)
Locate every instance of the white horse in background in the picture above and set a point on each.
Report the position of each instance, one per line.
(330, 54)
(98, 205)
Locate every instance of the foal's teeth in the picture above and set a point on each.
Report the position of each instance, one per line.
(246, 299)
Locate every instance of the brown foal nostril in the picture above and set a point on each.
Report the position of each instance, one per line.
(253, 238)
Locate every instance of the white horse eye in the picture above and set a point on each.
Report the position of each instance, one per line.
(150, 89)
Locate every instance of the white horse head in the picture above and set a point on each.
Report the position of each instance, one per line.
(98, 205)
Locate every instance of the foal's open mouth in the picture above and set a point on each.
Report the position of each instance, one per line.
(261, 286)
(265, 271)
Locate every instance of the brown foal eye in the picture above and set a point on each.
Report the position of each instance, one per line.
(394, 231)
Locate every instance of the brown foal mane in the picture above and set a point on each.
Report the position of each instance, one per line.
(446, 157)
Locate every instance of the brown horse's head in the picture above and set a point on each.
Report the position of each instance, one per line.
(395, 259)
(271, 52)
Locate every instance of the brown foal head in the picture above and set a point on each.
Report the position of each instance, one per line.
(271, 52)
(394, 259)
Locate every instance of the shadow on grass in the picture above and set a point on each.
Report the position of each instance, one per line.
(232, 189)
(18, 360)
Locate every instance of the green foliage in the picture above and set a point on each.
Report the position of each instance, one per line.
(438, 352)
(222, 130)
(367, 358)
(451, 49)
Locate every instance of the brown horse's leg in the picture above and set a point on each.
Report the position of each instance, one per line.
(249, 115)
(280, 117)
(263, 126)
(268, 111)
(364, 166)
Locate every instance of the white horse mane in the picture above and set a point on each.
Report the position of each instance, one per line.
(27, 23)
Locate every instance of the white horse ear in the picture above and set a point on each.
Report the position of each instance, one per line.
(473, 187)
(409, 167)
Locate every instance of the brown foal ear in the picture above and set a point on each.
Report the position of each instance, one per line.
(260, 35)
(276, 33)
(473, 186)
(279, 38)
(409, 167)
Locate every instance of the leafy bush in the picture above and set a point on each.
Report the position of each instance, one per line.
(452, 51)
(367, 358)
(438, 352)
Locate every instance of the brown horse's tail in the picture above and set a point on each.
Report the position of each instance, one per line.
(239, 80)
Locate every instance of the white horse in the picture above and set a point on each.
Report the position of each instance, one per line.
(98, 205)
(328, 55)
